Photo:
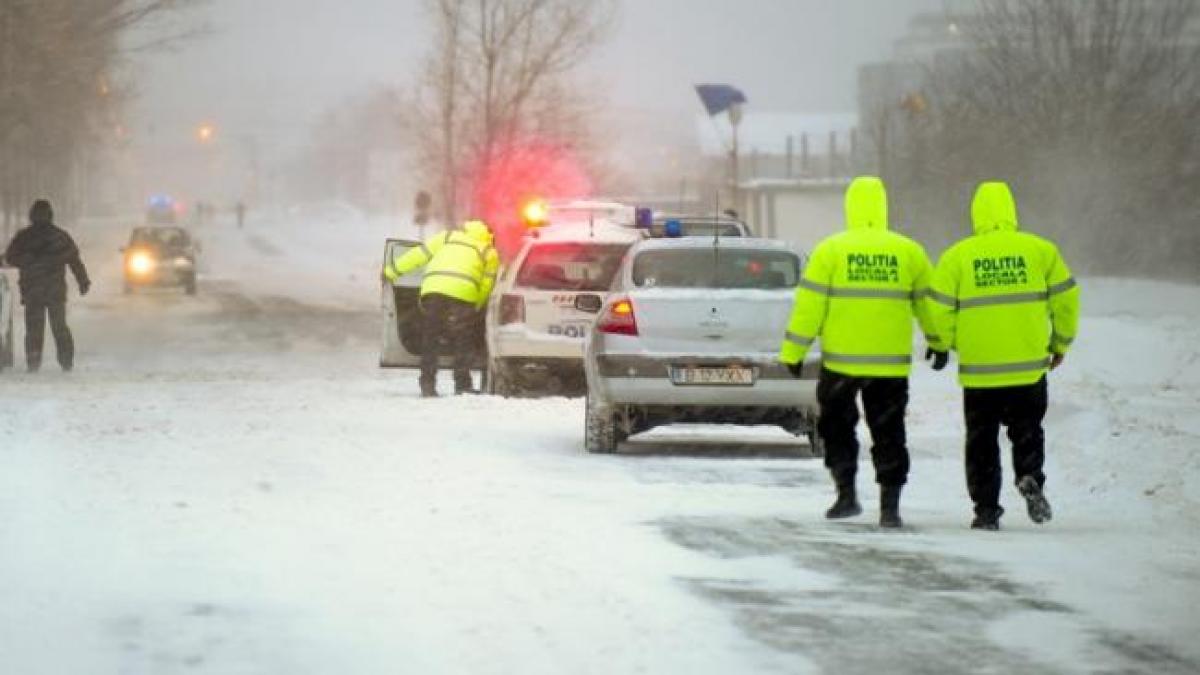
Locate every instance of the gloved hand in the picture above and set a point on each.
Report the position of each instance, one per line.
(939, 358)
(1056, 360)
(84, 287)
(796, 369)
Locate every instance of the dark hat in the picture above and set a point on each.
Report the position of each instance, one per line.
(41, 212)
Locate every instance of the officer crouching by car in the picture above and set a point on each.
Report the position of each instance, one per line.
(860, 291)
(460, 270)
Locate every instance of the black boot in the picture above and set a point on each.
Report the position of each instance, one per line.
(428, 387)
(1035, 500)
(987, 518)
(889, 506)
(464, 386)
(846, 505)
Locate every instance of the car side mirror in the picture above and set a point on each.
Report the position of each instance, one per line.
(588, 302)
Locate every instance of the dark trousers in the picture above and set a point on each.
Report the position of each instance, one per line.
(885, 400)
(1019, 408)
(35, 332)
(446, 324)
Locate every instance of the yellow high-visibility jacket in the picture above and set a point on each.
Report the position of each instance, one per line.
(1003, 299)
(859, 293)
(461, 264)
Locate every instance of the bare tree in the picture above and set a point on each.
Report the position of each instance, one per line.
(497, 73)
(60, 89)
(1088, 107)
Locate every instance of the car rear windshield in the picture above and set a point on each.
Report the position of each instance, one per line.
(571, 266)
(169, 237)
(719, 268)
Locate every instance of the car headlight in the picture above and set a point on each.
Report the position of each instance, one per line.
(140, 263)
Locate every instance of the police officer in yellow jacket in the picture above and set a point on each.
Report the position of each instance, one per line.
(460, 270)
(860, 291)
(1006, 302)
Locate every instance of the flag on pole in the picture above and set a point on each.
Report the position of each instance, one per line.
(717, 98)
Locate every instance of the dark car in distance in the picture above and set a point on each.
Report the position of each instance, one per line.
(160, 256)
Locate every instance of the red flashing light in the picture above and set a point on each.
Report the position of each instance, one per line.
(618, 318)
(535, 213)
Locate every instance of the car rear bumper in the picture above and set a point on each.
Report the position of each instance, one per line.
(516, 341)
(645, 380)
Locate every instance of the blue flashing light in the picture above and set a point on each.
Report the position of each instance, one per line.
(673, 228)
(160, 202)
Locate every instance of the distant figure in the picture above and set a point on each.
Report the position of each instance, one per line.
(41, 252)
(240, 210)
(421, 212)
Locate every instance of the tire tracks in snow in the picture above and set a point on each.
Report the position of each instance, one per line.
(860, 606)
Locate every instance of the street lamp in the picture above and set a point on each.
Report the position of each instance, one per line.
(735, 118)
(205, 133)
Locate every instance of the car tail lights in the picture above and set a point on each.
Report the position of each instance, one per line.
(618, 318)
(512, 309)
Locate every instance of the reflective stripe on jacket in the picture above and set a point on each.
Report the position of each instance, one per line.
(461, 264)
(860, 291)
(1004, 299)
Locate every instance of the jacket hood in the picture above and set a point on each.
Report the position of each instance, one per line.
(41, 213)
(993, 208)
(866, 204)
(478, 231)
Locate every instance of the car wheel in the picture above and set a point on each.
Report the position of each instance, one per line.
(798, 423)
(815, 442)
(499, 381)
(600, 432)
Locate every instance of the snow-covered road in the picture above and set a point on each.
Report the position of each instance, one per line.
(229, 484)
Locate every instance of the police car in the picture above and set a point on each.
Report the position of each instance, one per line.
(535, 329)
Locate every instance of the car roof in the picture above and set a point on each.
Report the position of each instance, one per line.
(602, 231)
(671, 243)
(143, 229)
(694, 218)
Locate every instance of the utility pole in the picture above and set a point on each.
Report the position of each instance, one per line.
(735, 118)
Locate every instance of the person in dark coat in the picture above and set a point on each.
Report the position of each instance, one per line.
(42, 252)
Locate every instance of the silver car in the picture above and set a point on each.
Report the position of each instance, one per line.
(690, 333)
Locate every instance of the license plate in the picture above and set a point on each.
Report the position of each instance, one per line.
(713, 375)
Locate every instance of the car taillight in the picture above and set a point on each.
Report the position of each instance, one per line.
(618, 318)
(512, 309)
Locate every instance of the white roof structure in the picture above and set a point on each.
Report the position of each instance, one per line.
(767, 133)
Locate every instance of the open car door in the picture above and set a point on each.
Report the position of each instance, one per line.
(400, 300)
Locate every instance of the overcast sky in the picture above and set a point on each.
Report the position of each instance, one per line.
(271, 66)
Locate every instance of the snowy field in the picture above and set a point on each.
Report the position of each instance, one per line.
(228, 484)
